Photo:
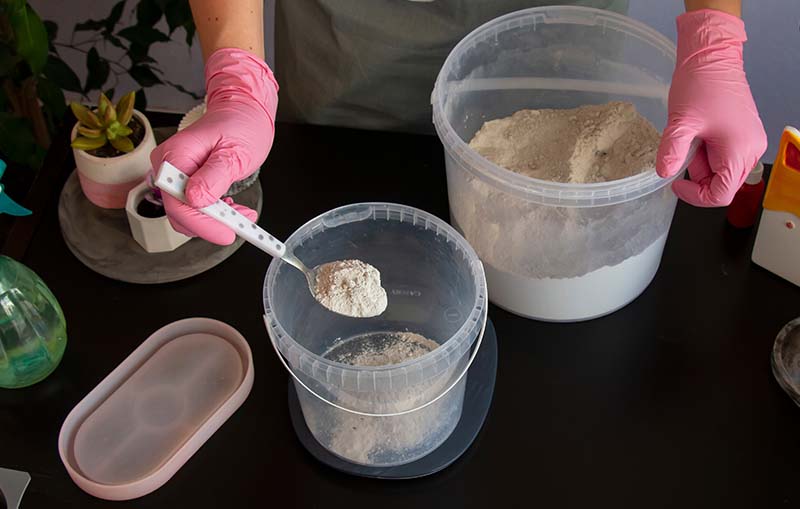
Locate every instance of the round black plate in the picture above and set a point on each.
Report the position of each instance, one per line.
(477, 400)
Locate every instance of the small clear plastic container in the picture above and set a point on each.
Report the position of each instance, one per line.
(555, 251)
(380, 415)
(146, 419)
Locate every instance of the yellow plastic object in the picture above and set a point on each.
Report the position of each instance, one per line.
(783, 190)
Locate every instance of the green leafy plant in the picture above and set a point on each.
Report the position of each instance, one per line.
(26, 126)
(34, 76)
(135, 42)
(106, 124)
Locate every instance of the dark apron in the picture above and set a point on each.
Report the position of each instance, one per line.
(372, 63)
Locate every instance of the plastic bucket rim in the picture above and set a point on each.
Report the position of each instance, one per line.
(638, 185)
(461, 340)
(458, 379)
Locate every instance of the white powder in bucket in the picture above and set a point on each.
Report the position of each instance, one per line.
(594, 143)
(370, 440)
(544, 257)
(350, 288)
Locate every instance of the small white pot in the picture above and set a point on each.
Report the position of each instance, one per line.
(155, 235)
(106, 181)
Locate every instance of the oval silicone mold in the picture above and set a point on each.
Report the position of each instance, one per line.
(133, 431)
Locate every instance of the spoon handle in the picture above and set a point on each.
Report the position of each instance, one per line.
(173, 182)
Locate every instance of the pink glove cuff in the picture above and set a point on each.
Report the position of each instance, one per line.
(231, 72)
(716, 33)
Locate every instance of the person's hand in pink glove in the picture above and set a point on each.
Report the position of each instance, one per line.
(710, 100)
(229, 142)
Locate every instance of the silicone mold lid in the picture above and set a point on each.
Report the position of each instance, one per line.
(145, 420)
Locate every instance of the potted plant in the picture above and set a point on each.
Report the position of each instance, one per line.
(149, 224)
(112, 146)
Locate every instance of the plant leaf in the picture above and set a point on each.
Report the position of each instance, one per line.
(3, 101)
(147, 13)
(190, 29)
(125, 108)
(54, 104)
(89, 133)
(52, 32)
(83, 143)
(103, 103)
(178, 13)
(122, 143)
(124, 130)
(181, 88)
(98, 71)
(30, 34)
(144, 75)
(113, 17)
(17, 142)
(101, 106)
(143, 35)
(62, 75)
(113, 39)
(109, 112)
(138, 54)
(141, 101)
(8, 60)
(85, 116)
(111, 134)
(89, 25)
(52, 97)
(52, 29)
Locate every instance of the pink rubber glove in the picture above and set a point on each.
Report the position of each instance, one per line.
(229, 142)
(710, 100)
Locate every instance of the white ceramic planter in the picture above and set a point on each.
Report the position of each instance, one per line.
(106, 181)
(155, 235)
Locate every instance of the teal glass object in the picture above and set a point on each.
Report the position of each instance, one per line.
(33, 332)
(7, 205)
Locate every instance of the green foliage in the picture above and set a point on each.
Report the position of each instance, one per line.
(29, 33)
(98, 68)
(62, 75)
(136, 40)
(17, 142)
(54, 104)
(106, 124)
(125, 108)
(29, 53)
(143, 35)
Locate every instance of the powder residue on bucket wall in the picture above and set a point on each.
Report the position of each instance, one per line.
(369, 440)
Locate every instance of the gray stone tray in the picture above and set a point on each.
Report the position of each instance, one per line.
(101, 239)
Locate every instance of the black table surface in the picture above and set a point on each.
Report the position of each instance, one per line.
(669, 402)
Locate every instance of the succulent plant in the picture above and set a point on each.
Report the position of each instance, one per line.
(106, 124)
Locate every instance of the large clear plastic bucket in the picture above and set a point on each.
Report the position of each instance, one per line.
(555, 251)
(380, 415)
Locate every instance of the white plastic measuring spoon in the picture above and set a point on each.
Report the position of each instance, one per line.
(173, 181)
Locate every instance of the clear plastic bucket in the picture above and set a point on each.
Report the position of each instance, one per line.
(555, 251)
(380, 415)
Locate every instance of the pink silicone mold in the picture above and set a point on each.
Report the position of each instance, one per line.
(133, 431)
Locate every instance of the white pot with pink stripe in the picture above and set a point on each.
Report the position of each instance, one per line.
(106, 181)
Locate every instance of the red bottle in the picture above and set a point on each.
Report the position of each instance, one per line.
(743, 211)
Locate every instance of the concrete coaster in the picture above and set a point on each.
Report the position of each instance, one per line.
(101, 239)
